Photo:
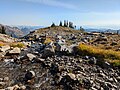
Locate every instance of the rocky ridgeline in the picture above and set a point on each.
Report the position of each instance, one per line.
(104, 40)
(55, 66)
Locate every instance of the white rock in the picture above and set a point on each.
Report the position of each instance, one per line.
(2, 83)
(8, 60)
(23, 87)
(4, 48)
(6, 78)
(72, 76)
(15, 50)
(31, 56)
(33, 73)
(9, 88)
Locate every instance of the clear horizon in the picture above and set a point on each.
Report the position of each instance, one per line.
(95, 13)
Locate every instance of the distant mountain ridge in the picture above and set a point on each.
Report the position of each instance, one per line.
(102, 30)
(27, 29)
(12, 31)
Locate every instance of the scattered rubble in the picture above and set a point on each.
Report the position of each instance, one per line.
(56, 66)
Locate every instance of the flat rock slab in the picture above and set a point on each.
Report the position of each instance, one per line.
(15, 50)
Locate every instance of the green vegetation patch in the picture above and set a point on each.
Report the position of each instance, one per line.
(19, 45)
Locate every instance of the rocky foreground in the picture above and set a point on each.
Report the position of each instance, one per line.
(31, 71)
(56, 66)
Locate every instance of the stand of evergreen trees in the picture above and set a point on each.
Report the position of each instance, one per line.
(65, 24)
(69, 24)
(2, 30)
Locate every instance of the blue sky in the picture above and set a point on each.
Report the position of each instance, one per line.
(44, 12)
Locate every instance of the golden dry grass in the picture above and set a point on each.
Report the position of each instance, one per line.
(115, 62)
(48, 40)
(110, 55)
(2, 43)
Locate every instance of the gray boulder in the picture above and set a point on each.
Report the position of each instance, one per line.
(48, 51)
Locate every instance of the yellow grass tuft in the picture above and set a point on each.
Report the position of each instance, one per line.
(115, 62)
(98, 52)
(2, 43)
(48, 40)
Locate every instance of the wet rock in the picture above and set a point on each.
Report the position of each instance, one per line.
(4, 48)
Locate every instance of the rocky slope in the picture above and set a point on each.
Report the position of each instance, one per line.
(52, 31)
(55, 65)
(28, 70)
(6, 38)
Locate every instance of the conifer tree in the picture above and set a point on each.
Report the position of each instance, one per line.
(53, 25)
(65, 23)
(60, 23)
(82, 29)
(71, 25)
(2, 30)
